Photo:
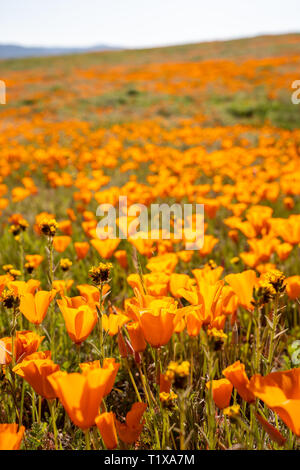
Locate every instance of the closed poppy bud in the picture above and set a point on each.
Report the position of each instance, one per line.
(121, 256)
(237, 376)
(221, 392)
(234, 235)
(106, 425)
(164, 383)
(10, 436)
(122, 345)
(136, 336)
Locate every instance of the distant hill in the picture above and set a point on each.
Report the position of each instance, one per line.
(12, 51)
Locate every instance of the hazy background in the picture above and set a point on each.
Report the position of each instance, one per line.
(141, 23)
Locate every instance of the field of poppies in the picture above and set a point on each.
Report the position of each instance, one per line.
(138, 343)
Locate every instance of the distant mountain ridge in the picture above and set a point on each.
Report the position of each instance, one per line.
(13, 51)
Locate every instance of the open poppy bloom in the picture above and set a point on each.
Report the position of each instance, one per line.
(34, 307)
(243, 284)
(236, 374)
(61, 243)
(80, 318)
(158, 326)
(81, 394)
(81, 249)
(221, 392)
(106, 425)
(105, 248)
(26, 343)
(130, 431)
(91, 293)
(108, 363)
(293, 287)
(10, 436)
(281, 392)
(113, 322)
(36, 369)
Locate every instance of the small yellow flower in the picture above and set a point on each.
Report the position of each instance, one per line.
(9, 299)
(65, 264)
(218, 334)
(48, 227)
(232, 411)
(7, 267)
(100, 274)
(29, 266)
(210, 264)
(235, 260)
(15, 273)
(167, 398)
(178, 373)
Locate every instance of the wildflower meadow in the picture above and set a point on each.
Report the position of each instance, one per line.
(126, 339)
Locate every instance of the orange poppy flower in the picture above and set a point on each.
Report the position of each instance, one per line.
(106, 425)
(35, 369)
(62, 286)
(179, 281)
(108, 363)
(22, 287)
(10, 436)
(209, 243)
(65, 226)
(157, 327)
(281, 392)
(236, 374)
(130, 431)
(121, 256)
(34, 307)
(26, 343)
(221, 392)
(283, 250)
(80, 319)
(243, 284)
(35, 260)
(293, 287)
(81, 394)
(105, 248)
(91, 293)
(81, 249)
(61, 243)
(113, 322)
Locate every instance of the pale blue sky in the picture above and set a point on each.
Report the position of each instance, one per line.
(138, 23)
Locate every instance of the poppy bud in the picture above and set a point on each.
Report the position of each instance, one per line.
(122, 345)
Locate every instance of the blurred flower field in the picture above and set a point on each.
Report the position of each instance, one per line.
(139, 343)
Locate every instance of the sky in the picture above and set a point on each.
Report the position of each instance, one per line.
(141, 23)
